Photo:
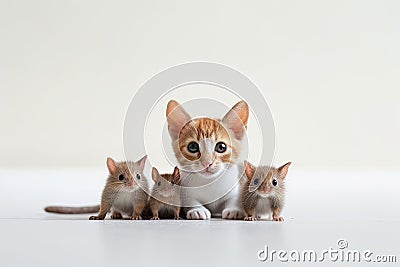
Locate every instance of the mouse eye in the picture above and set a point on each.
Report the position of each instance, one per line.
(121, 177)
(274, 182)
(193, 147)
(159, 183)
(138, 176)
(220, 147)
(256, 181)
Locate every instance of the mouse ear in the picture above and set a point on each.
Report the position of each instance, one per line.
(141, 162)
(111, 165)
(249, 169)
(283, 170)
(177, 176)
(154, 174)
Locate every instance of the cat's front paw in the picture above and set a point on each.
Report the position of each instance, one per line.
(198, 214)
(232, 214)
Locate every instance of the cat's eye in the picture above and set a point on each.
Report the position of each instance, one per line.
(220, 147)
(256, 181)
(121, 177)
(193, 147)
(172, 183)
(274, 182)
(138, 176)
(159, 183)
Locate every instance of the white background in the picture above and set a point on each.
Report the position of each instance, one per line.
(329, 70)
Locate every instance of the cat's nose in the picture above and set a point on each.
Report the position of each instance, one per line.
(206, 164)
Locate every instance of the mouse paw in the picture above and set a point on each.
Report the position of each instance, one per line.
(250, 218)
(155, 218)
(116, 216)
(232, 214)
(200, 213)
(95, 218)
(278, 219)
(136, 217)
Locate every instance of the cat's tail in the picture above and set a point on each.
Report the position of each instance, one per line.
(72, 210)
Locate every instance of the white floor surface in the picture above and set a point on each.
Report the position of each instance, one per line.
(322, 207)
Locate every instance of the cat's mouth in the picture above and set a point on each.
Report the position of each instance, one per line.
(207, 172)
(210, 173)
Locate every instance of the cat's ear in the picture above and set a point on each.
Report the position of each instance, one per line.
(283, 170)
(236, 119)
(177, 117)
(176, 176)
(141, 162)
(111, 166)
(154, 174)
(249, 170)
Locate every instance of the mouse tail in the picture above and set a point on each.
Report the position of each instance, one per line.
(72, 210)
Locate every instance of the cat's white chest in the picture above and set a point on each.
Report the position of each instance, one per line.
(212, 192)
